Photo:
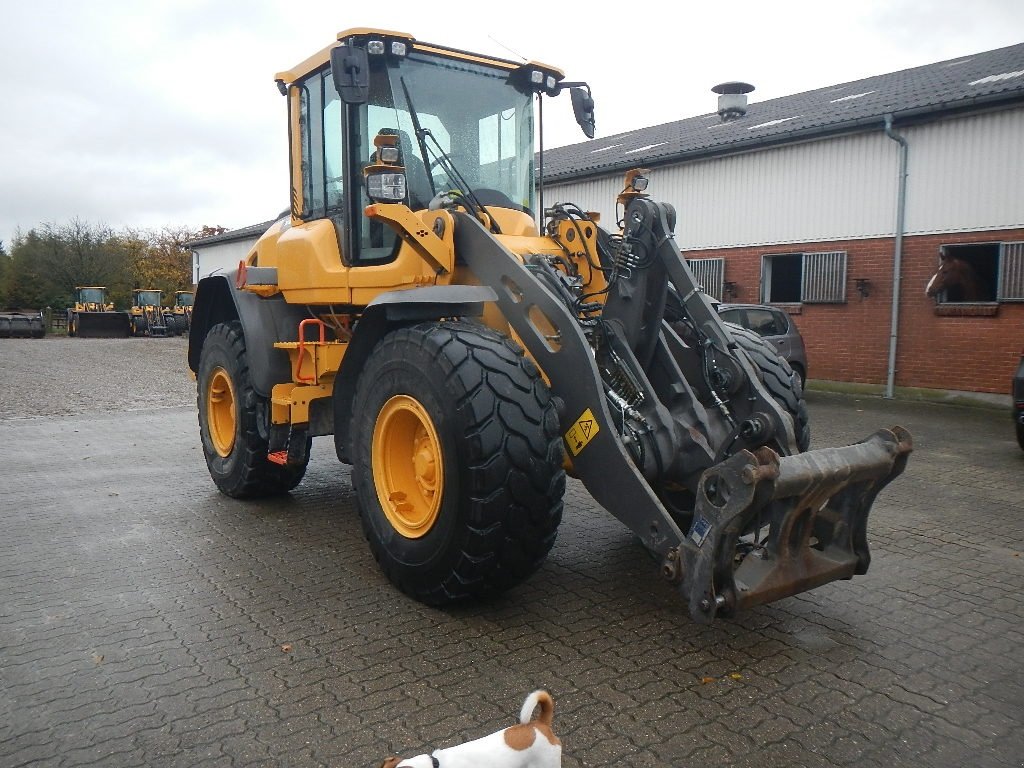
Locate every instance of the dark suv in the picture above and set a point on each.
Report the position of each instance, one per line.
(775, 326)
(1018, 401)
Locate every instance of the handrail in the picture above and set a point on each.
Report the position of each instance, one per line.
(302, 348)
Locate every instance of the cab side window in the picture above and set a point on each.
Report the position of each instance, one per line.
(320, 117)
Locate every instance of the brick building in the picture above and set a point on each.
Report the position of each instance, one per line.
(802, 201)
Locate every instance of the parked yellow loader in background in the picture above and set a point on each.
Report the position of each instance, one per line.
(464, 359)
(93, 316)
(180, 317)
(148, 316)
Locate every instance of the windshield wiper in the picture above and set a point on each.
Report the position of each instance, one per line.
(446, 163)
(417, 129)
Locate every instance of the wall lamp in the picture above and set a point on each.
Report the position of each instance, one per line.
(863, 286)
(730, 290)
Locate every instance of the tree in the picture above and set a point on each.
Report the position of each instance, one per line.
(47, 264)
(160, 259)
(80, 253)
(27, 283)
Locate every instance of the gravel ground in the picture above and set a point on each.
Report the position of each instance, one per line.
(61, 376)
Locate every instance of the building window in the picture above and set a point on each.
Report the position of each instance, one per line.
(809, 278)
(710, 275)
(979, 273)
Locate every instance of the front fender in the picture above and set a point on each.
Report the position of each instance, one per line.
(385, 313)
(263, 320)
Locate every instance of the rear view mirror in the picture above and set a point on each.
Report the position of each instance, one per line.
(583, 108)
(350, 68)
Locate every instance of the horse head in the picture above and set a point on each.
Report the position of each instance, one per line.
(941, 278)
(958, 279)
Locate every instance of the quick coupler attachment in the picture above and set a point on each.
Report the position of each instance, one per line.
(767, 527)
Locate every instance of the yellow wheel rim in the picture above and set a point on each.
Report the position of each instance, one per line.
(220, 411)
(408, 467)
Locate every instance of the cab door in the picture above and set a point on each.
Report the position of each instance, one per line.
(318, 179)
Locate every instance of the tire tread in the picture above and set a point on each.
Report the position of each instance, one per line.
(514, 480)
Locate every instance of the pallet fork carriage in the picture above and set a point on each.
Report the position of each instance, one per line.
(464, 359)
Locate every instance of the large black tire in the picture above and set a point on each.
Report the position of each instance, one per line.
(779, 379)
(230, 412)
(485, 506)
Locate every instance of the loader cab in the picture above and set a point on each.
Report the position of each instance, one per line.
(93, 298)
(146, 298)
(459, 123)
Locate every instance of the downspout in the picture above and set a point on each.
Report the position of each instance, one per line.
(897, 262)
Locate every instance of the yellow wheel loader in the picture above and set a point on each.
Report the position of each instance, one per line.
(466, 358)
(180, 315)
(95, 317)
(148, 316)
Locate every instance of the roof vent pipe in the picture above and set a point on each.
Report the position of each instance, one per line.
(732, 100)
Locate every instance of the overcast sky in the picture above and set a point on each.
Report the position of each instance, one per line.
(133, 116)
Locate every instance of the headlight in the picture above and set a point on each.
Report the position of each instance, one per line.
(386, 187)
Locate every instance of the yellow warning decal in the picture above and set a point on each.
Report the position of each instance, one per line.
(582, 432)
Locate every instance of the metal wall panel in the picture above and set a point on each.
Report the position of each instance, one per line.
(220, 257)
(835, 189)
(964, 174)
(592, 195)
(826, 190)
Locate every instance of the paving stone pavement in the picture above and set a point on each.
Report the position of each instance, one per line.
(146, 620)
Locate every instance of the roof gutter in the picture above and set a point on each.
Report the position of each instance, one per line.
(897, 261)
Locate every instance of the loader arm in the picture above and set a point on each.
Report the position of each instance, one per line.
(766, 525)
(598, 456)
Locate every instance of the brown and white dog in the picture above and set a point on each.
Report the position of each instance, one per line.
(530, 744)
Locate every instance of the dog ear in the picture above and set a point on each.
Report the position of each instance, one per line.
(390, 762)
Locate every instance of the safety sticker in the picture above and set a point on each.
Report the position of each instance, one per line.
(582, 432)
(699, 530)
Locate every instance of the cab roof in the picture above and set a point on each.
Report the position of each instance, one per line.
(323, 56)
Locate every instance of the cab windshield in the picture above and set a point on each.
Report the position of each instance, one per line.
(476, 116)
(148, 299)
(91, 296)
(184, 299)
